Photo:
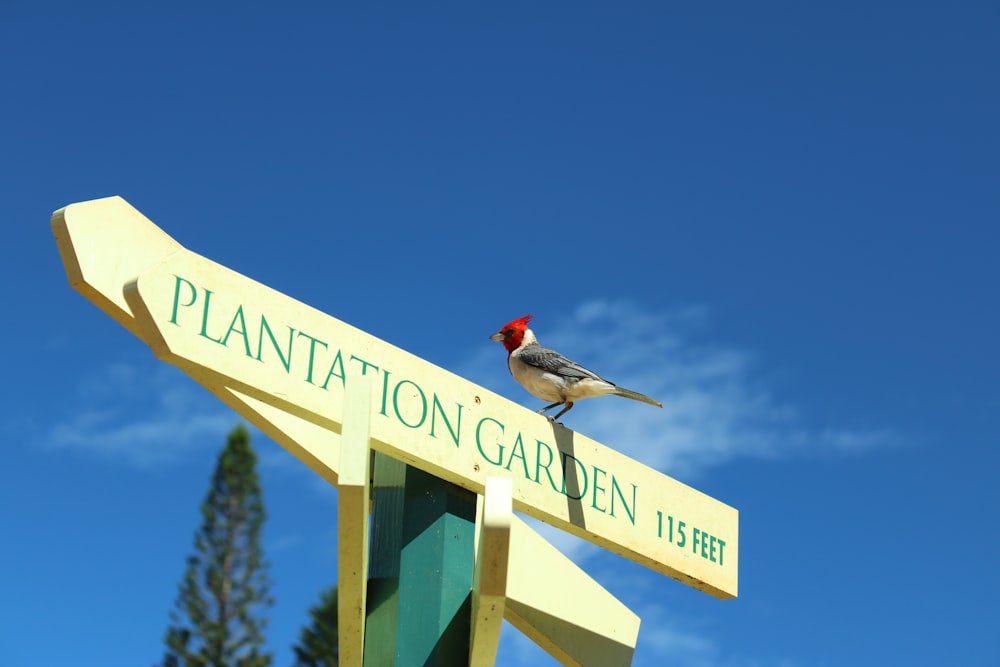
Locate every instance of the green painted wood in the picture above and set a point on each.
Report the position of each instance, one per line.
(435, 579)
(420, 573)
(388, 480)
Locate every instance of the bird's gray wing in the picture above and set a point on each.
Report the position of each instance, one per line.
(551, 361)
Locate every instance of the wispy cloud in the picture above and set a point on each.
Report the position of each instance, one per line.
(140, 414)
(716, 406)
(669, 638)
(664, 639)
(150, 414)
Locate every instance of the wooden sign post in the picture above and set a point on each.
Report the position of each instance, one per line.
(329, 393)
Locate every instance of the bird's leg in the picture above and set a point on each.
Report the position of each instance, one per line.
(549, 407)
(569, 404)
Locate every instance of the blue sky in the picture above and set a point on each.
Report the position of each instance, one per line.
(779, 219)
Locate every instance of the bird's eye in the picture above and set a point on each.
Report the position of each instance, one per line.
(507, 333)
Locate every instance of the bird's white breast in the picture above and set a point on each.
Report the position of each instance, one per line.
(544, 385)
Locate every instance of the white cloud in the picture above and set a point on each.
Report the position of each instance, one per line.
(661, 639)
(670, 638)
(150, 414)
(142, 414)
(715, 407)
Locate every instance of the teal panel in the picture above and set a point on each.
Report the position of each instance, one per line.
(420, 572)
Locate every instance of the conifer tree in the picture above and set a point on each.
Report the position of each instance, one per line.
(218, 618)
(318, 644)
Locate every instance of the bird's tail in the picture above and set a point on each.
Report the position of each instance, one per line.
(636, 396)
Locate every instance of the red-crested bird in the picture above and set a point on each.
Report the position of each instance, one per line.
(551, 376)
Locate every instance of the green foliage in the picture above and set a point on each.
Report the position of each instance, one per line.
(318, 646)
(218, 619)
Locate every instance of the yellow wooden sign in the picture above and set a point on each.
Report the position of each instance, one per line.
(353, 496)
(258, 345)
(494, 514)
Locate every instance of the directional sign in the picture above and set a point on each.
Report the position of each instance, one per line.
(232, 332)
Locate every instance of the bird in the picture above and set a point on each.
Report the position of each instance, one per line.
(549, 375)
